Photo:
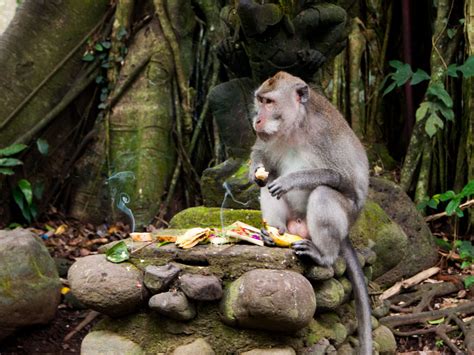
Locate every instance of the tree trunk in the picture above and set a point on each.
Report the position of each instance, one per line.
(40, 56)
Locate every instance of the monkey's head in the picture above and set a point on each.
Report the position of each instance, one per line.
(280, 105)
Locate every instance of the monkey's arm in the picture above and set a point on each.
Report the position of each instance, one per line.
(256, 162)
(309, 180)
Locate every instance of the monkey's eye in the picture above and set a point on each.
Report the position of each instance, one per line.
(264, 100)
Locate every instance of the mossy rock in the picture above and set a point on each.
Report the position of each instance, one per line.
(211, 217)
(234, 173)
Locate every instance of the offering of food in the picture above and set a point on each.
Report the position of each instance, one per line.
(141, 237)
(261, 174)
(192, 237)
(281, 240)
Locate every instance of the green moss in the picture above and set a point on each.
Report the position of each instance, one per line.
(242, 172)
(211, 217)
(370, 220)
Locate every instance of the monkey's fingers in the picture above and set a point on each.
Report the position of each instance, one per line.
(276, 189)
(306, 249)
(267, 240)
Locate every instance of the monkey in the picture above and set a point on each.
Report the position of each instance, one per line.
(318, 178)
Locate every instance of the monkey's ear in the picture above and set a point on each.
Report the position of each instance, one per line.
(302, 91)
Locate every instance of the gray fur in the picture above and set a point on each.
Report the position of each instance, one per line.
(318, 172)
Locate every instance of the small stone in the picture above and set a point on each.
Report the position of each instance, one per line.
(105, 342)
(273, 351)
(369, 255)
(319, 273)
(385, 339)
(158, 278)
(199, 346)
(374, 322)
(368, 272)
(346, 349)
(329, 294)
(339, 267)
(361, 258)
(109, 288)
(201, 287)
(277, 300)
(173, 305)
(347, 286)
(381, 310)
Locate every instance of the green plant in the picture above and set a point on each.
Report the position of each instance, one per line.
(438, 102)
(454, 199)
(6, 161)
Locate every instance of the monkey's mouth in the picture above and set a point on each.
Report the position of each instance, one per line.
(264, 136)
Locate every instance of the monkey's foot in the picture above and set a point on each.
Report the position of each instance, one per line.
(306, 249)
(267, 240)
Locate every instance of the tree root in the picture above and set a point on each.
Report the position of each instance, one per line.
(423, 293)
(440, 330)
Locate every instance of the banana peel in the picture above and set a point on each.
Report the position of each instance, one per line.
(281, 240)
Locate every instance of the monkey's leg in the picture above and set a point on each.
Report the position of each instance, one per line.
(328, 224)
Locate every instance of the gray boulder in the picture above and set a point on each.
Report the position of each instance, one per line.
(276, 300)
(173, 304)
(329, 294)
(105, 342)
(158, 278)
(29, 281)
(199, 346)
(201, 287)
(112, 289)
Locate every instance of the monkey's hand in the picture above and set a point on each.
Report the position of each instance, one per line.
(267, 239)
(279, 187)
(306, 249)
(259, 175)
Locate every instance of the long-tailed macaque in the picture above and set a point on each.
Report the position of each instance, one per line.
(317, 178)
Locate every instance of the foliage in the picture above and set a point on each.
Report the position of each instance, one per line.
(118, 253)
(23, 196)
(454, 199)
(6, 161)
(438, 102)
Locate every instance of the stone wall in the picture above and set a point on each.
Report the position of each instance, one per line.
(228, 299)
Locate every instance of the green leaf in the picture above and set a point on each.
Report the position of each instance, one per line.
(396, 64)
(465, 264)
(467, 69)
(422, 205)
(448, 195)
(25, 188)
(106, 44)
(433, 203)
(447, 113)
(6, 171)
(118, 253)
(392, 86)
(461, 21)
(89, 57)
(459, 212)
(436, 321)
(12, 149)
(468, 190)
(443, 244)
(452, 205)
(98, 47)
(19, 198)
(469, 281)
(402, 75)
(422, 110)
(432, 124)
(43, 146)
(451, 32)
(419, 76)
(452, 70)
(437, 90)
(10, 162)
(465, 249)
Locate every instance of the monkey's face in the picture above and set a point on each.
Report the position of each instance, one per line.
(280, 106)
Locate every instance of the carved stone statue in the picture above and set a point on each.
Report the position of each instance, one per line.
(265, 37)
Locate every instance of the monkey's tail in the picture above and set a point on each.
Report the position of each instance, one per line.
(361, 295)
